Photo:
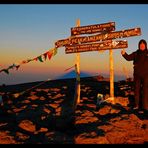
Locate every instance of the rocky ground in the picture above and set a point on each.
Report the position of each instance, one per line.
(44, 115)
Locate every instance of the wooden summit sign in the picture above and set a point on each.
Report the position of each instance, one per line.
(103, 40)
(108, 44)
(99, 37)
(106, 27)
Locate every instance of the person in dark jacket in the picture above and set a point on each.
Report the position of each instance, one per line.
(140, 62)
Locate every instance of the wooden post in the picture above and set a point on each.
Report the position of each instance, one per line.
(111, 74)
(77, 86)
(78, 77)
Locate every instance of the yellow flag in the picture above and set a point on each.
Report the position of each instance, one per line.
(55, 51)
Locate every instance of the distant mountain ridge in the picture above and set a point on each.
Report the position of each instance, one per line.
(84, 74)
(72, 74)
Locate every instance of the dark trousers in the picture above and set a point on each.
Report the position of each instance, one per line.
(141, 92)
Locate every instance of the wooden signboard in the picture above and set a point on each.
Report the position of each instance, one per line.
(103, 40)
(99, 37)
(109, 44)
(106, 27)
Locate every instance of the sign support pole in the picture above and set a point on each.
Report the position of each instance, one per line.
(78, 76)
(77, 67)
(111, 75)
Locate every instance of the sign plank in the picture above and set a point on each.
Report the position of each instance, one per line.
(109, 44)
(106, 27)
(99, 37)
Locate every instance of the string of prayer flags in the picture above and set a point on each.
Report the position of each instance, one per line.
(11, 67)
(49, 54)
(41, 58)
(5, 70)
(26, 61)
(16, 65)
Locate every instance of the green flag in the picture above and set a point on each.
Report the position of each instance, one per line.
(6, 71)
(40, 58)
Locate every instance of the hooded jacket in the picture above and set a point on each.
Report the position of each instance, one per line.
(140, 61)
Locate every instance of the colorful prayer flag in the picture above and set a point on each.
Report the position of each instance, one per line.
(54, 51)
(45, 55)
(6, 71)
(40, 58)
(49, 54)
